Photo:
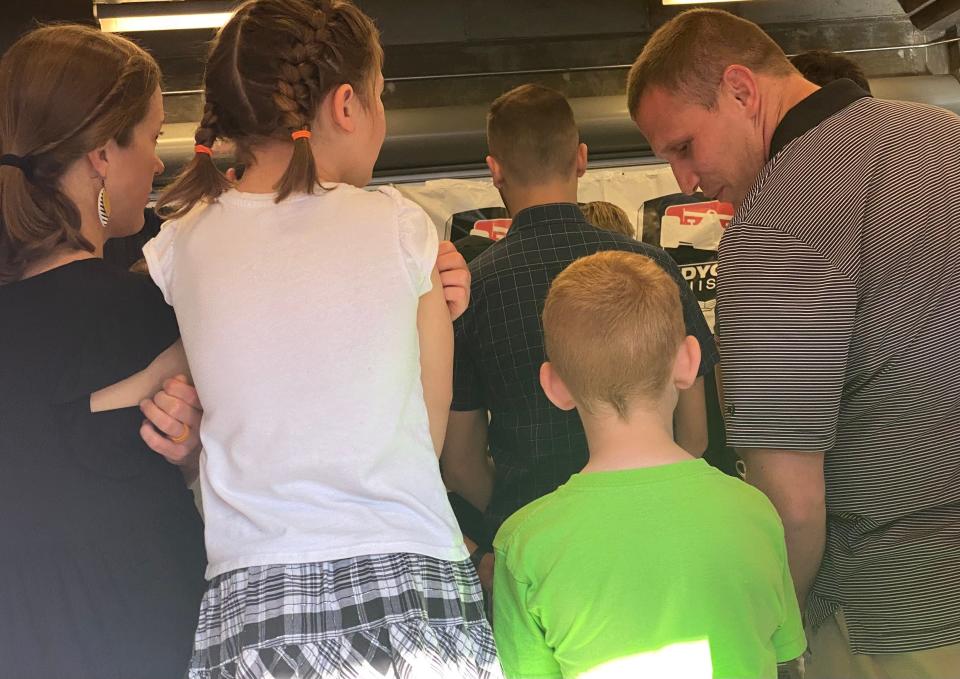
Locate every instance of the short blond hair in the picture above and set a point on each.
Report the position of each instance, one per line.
(608, 217)
(689, 54)
(531, 131)
(612, 326)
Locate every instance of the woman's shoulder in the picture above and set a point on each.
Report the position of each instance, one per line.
(97, 323)
(72, 285)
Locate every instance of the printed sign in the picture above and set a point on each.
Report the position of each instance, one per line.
(493, 221)
(494, 229)
(689, 229)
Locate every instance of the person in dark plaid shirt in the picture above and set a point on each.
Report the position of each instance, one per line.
(535, 159)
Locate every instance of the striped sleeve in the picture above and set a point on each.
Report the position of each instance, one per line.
(785, 319)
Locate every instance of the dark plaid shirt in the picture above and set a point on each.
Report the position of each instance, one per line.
(499, 349)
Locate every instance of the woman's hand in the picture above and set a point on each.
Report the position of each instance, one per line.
(172, 427)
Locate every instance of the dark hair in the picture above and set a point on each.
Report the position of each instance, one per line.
(268, 71)
(689, 54)
(64, 91)
(532, 133)
(822, 67)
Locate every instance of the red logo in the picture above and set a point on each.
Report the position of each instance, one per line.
(692, 214)
(495, 229)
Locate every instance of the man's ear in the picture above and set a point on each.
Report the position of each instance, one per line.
(687, 363)
(555, 388)
(496, 171)
(581, 159)
(342, 106)
(740, 84)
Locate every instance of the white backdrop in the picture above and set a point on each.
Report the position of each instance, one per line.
(626, 187)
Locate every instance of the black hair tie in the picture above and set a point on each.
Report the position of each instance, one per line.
(24, 164)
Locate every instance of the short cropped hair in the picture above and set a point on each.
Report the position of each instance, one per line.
(689, 54)
(822, 67)
(608, 217)
(612, 325)
(532, 133)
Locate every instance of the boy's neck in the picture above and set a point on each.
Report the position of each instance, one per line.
(644, 439)
(522, 197)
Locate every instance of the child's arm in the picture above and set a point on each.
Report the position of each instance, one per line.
(789, 640)
(163, 426)
(436, 359)
(130, 391)
(690, 419)
(520, 639)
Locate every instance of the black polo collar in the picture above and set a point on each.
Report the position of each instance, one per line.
(813, 110)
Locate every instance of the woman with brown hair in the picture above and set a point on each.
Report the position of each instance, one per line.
(103, 560)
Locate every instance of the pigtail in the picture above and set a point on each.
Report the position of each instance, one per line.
(200, 180)
(268, 72)
(298, 90)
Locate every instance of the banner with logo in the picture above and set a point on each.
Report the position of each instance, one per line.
(689, 229)
(457, 206)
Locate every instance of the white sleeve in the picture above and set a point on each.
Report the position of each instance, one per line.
(419, 242)
(159, 254)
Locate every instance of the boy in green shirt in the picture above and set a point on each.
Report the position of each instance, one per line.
(648, 563)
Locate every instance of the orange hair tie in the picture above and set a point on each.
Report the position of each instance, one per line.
(301, 134)
(200, 148)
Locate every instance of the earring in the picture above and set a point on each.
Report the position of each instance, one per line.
(103, 207)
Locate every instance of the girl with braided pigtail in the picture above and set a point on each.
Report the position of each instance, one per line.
(315, 326)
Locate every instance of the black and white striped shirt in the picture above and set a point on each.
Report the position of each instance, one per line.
(838, 280)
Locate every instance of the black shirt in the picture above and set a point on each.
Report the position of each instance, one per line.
(102, 571)
(536, 446)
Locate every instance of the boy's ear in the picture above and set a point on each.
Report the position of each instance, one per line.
(582, 153)
(496, 171)
(687, 364)
(342, 103)
(555, 389)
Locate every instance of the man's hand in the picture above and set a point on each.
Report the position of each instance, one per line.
(455, 277)
(171, 414)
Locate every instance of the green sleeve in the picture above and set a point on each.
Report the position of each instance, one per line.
(523, 649)
(789, 640)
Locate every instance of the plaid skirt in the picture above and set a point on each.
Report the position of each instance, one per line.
(389, 615)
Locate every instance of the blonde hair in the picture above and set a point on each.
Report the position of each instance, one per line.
(689, 54)
(612, 326)
(609, 217)
(269, 70)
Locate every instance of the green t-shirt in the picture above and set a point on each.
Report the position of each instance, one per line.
(677, 570)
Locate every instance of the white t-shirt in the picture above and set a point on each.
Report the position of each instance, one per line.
(299, 322)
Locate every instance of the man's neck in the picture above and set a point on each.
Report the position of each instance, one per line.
(644, 439)
(522, 197)
(789, 92)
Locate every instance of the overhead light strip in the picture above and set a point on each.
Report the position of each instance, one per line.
(164, 22)
(696, 2)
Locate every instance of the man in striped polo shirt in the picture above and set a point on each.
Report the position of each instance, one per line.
(837, 327)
